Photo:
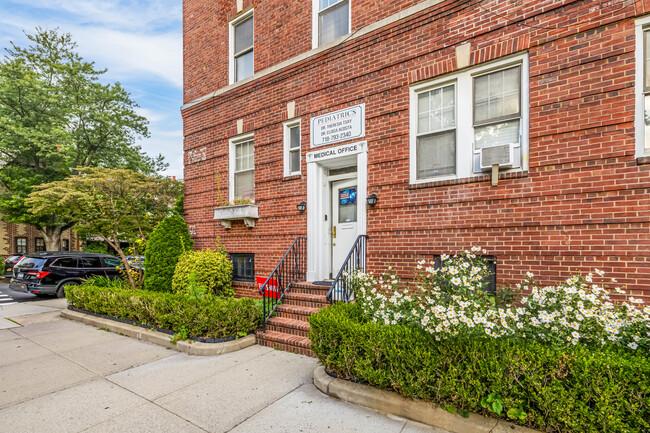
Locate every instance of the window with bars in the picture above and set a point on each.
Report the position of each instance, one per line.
(243, 266)
(242, 47)
(292, 148)
(21, 245)
(333, 18)
(454, 118)
(243, 169)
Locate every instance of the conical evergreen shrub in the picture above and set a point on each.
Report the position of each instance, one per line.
(169, 240)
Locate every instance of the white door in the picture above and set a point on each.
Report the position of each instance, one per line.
(344, 229)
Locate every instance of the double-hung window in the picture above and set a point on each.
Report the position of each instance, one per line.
(292, 147)
(21, 245)
(242, 168)
(242, 63)
(454, 119)
(331, 20)
(642, 112)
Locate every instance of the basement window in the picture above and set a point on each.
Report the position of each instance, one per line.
(243, 266)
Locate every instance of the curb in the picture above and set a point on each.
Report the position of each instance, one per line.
(416, 410)
(159, 338)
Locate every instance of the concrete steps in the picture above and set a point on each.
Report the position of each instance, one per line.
(289, 329)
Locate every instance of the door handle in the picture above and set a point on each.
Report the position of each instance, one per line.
(334, 232)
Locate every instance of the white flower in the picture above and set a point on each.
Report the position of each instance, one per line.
(632, 345)
(530, 274)
(599, 272)
(455, 281)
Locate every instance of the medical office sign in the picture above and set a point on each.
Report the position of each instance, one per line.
(342, 125)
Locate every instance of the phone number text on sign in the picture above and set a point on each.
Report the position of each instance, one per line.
(341, 125)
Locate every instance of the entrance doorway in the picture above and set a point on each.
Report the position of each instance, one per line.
(344, 225)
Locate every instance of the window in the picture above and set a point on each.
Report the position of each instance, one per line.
(65, 245)
(66, 262)
(642, 119)
(112, 262)
(454, 118)
(90, 262)
(40, 245)
(243, 267)
(242, 63)
(242, 168)
(292, 147)
(21, 245)
(331, 20)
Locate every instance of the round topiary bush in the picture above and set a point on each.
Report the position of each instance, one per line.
(169, 240)
(212, 269)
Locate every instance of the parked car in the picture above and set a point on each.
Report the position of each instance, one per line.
(136, 262)
(10, 262)
(49, 272)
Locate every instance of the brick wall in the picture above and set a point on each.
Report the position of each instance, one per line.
(583, 203)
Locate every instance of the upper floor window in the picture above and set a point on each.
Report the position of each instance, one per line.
(331, 20)
(292, 147)
(241, 47)
(642, 121)
(464, 123)
(242, 168)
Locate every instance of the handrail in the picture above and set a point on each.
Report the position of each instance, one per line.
(356, 259)
(291, 268)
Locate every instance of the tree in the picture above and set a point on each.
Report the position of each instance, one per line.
(55, 115)
(169, 240)
(116, 205)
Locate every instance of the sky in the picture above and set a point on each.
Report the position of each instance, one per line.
(139, 42)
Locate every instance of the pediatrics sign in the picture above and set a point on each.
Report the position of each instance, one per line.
(342, 125)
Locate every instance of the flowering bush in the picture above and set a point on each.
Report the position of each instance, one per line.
(449, 301)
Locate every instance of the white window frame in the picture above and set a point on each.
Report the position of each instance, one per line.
(639, 112)
(231, 45)
(231, 162)
(287, 150)
(315, 5)
(464, 116)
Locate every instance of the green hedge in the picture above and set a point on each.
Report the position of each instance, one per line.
(576, 389)
(210, 317)
(212, 269)
(167, 242)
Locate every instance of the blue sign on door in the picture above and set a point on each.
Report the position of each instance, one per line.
(347, 196)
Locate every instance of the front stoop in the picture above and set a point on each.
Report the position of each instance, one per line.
(288, 329)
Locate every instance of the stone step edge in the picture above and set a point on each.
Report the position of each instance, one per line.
(160, 338)
(281, 337)
(289, 323)
(416, 410)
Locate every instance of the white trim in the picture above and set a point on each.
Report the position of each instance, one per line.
(286, 126)
(319, 203)
(231, 161)
(315, 12)
(426, 4)
(231, 43)
(464, 116)
(639, 109)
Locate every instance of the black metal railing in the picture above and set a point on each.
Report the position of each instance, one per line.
(292, 268)
(355, 261)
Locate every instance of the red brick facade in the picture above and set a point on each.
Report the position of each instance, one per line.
(583, 202)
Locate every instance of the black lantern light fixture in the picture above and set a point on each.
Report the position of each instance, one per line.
(301, 206)
(372, 200)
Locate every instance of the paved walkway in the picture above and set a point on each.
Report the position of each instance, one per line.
(62, 376)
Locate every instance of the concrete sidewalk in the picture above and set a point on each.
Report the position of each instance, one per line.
(63, 376)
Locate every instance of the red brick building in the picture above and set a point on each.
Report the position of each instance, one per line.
(329, 102)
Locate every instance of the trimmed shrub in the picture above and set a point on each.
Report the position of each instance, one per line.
(212, 269)
(569, 389)
(208, 317)
(169, 240)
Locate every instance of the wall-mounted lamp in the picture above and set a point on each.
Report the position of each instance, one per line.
(301, 206)
(372, 200)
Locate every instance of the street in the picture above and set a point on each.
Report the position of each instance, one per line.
(8, 297)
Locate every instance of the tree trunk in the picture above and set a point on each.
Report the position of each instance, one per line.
(52, 237)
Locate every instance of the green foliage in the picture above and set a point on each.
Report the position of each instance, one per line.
(167, 242)
(115, 205)
(212, 269)
(95, 247)
(55, 115)
(209, 317)
(570, 389)
(104, 282)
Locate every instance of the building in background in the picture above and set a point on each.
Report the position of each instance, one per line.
(23, 239)
(430, 126)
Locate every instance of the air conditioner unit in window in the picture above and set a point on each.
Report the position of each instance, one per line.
(502, 154)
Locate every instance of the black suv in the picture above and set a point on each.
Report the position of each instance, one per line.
(10, 262)
(48, 273)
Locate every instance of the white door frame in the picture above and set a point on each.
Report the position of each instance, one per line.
(319, 201)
